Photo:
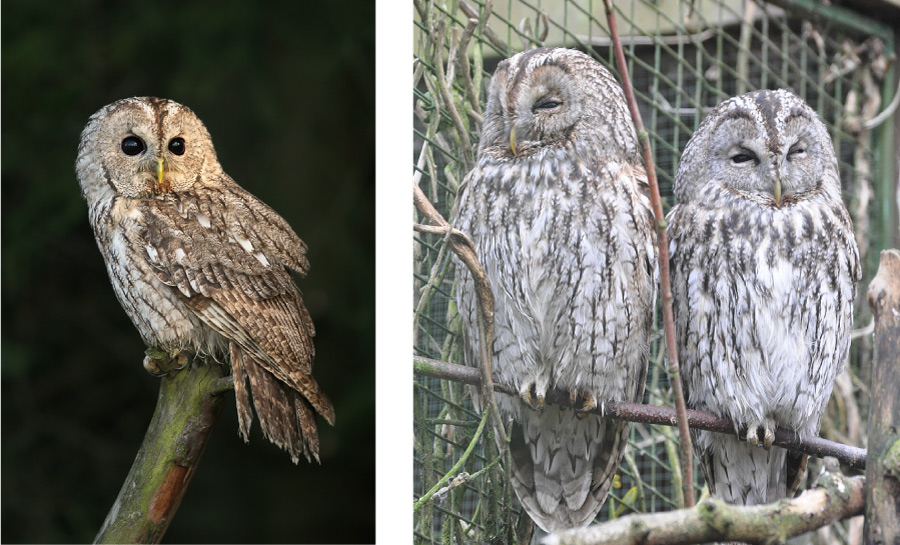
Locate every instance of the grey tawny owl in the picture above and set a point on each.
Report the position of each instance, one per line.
(764, 271)
(200, 265)
(557, 210)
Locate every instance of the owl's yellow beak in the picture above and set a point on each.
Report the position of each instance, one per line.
(512, 140)
(777, 191)
(160, 170)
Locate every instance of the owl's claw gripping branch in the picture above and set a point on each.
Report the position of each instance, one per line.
(160, 363)
(761, 434)
(582, 402)
(528, 394)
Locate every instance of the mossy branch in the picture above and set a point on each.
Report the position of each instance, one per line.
(187, 409)
(712, 520)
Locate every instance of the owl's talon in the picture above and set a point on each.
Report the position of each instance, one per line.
(752, 435)
(159, 363)
(181, 360)
(761, 434)
(769, 437)
(525, 397)
(151, 366)
(582, 402)
(529, 396)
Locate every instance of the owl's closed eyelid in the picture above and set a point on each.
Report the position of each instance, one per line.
(798, 150)
(742, 156)
(547, 103)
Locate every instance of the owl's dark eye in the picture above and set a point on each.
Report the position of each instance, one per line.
(132, 145)
(742, 158)
(176, 145)
(547, 104)
(797, 152)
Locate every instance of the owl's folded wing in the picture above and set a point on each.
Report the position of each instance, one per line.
(233, 274)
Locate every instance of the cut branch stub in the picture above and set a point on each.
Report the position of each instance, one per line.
(883, 469)
(187, 409)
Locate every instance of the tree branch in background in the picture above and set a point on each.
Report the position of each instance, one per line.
(853, 457)
(837, 498)
(687, 465)
(187, 409)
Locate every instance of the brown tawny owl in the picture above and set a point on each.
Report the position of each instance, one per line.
(556, 209)
(201, 266)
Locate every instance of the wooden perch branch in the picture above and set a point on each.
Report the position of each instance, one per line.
(712, 520)
(853, 457)
(187, 409)
(687, 465)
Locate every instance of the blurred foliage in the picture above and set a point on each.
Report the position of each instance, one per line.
(287, 93)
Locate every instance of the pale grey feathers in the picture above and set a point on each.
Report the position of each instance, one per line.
(556, 209)
(764, 271)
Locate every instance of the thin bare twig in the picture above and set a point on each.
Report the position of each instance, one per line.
(850, 456)
(665, 284)
(463, 247)
(444, 84)
(463, 61)
(456, 467)
(486, 31)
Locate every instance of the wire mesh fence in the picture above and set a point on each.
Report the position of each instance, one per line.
(684, 58)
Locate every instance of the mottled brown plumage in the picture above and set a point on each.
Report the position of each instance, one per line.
(200, 265)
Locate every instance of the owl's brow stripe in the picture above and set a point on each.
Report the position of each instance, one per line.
(159, 108)
(770, 106)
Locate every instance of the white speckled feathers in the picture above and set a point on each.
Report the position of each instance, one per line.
(557, 211)
(764, 272)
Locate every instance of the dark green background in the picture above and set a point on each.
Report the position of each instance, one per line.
(287, 94)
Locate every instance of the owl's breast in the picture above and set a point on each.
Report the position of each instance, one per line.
(568, 265)
(156, 308)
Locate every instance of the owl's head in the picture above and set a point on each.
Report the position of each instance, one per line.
(553, 97)
(766, 146)
(143, 146)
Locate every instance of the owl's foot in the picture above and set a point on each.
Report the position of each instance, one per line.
(160, 363)
(761, 434)
(582, 402)
(529, 395)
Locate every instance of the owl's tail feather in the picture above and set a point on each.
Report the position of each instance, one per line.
(563, 466)
(743, 474)
(286, 417)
